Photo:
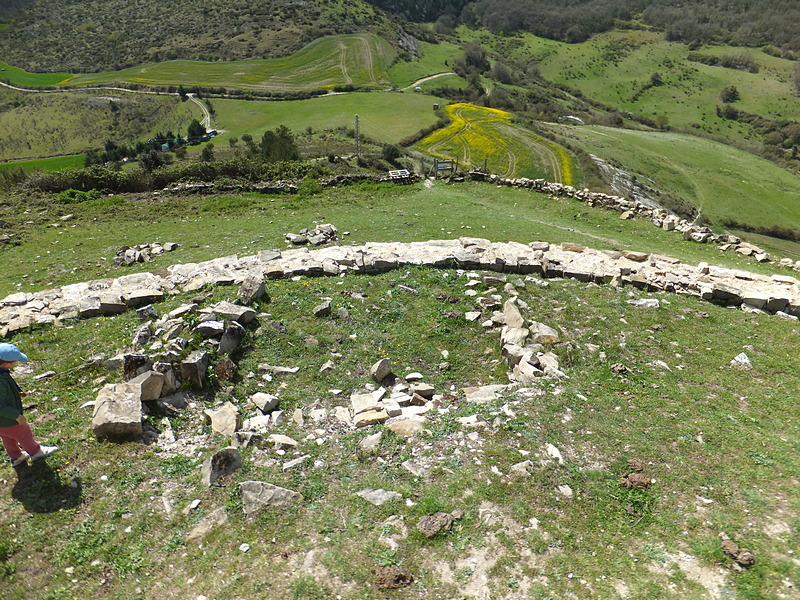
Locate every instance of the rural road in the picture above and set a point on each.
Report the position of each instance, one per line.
(424, 79)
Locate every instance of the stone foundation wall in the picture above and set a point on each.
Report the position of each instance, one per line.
(773, 294)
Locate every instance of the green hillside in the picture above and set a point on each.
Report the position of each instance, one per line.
(357, 60)
(723, 183)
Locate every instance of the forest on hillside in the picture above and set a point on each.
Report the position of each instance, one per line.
(93, 35)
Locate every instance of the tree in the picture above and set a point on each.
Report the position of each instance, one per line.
(279, 144)
(207, 154)
(233, 141)
(195, 131)
(729, 94)
(182, 93)
(150, 160)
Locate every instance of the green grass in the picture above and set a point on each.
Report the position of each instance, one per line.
(46, 164)
(51, 125)
(387, 117)
(721, 181)
(20, 77)
(434, 59)
(208, 227)
(354, 59)
(615, 69)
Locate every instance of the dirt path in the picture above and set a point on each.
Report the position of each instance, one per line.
(206, 122)
(424, 79)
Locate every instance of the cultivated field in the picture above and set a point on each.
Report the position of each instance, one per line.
(486, 138)
(357, 59)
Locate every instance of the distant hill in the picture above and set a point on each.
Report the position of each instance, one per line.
(101, 35)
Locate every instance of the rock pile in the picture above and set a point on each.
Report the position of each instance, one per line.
(776, 294)
(128, 255)
(319, 235)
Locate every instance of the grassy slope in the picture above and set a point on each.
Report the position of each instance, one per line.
(387, 116)
(357, 59)
(613, 67)
(83, 248)
(723, 182)
(68, 123)
(704, 431)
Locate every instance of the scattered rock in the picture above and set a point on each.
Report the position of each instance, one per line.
(378, 496)
(258, 496)
(381, 369)
(635, 480)
(432, 524)
(392, 577)
(220, 466)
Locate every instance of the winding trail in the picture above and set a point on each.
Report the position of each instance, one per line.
(424, 79)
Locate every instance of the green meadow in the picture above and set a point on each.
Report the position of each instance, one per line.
(46, 164)
(616, 69)
(434, 58)
(355, 59)
(386, 117)
(721, 181)
(16, 76)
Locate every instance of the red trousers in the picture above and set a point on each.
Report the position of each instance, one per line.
(18, 438)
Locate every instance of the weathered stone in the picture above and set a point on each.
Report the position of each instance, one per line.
(258, 496)
(323, 309)
(252, 289)
(134, 365)
(370, 417)
(423, 389)
(543, 334)
(514, 318)
(266, 403)
(484, 394)
(150, 385)
(234, 312)
(234, 333)
(117, 412)
(378, 496)
(514, 335)
(406, 427)
(142, 296)
(214, 519)
(220, 466)
(363, 402)
(381, 369)
(209, 329)
(194, 367)
(282, 441)
(635, 256)
(225, 420)
(371, 443)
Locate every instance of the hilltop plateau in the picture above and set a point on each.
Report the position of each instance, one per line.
(402, 300)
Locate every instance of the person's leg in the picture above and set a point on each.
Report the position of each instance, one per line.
(11, 445)
(22, 436)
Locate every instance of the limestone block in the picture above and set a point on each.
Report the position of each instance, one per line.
(117, 412)
(150, 385)
(370, 417)
(193, 368)
(220, 465)
(258, 496)
(234, 333)
(265, 402)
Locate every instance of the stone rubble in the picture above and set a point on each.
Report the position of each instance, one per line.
(733, 287)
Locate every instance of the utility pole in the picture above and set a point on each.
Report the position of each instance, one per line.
(358, 140)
